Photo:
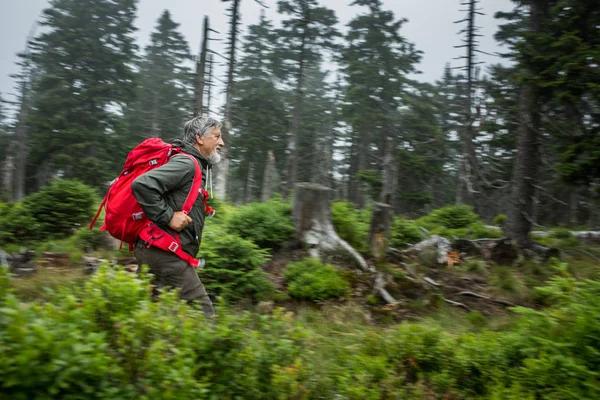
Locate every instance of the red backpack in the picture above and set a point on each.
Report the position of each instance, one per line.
(125, 220)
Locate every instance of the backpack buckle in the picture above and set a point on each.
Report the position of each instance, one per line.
(137, 216)
(173, 247)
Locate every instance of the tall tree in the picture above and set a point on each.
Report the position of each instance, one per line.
(376, 61)
(305, 34)
(222, 169)
(199, 107)
(526, 165)
(260, 112)
(468, 186)
(85, 56)
(19, 148)
(165, 94)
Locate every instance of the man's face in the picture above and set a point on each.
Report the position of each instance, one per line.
(210, 145)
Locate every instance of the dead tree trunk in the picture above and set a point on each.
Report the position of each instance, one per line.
(249, 183)
(312, 219)
(292, 150)
(209, 83)
(222, 169)
(200, 68)
(381, 221)
(468, 170)
(269, 178)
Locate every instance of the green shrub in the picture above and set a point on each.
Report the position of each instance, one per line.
(452, 217)
(312, 280)
(404, 232)
(500, 219)
(108, 340)
(269, 224)
(561, 233)
(233, 267)
(352, 225)
(17, 224)
(61, 207)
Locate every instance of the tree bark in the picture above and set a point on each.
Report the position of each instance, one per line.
(269, 178)
(292, 149)
(249, 183)
(312, 218)
(381, 221)
(222, 169)
(200, 68)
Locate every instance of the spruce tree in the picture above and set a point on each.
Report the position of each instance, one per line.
(165, 95)
(85, 59)
(259, 112)
(376, 61)
(306, 33)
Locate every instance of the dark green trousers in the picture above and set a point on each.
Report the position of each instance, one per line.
(171, 271)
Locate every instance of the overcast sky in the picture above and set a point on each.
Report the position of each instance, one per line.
(430, 26)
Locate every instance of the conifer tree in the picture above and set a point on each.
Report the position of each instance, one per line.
(165, 94)
(306, 33)
(376, 61)
(260, 112)
(86, 77)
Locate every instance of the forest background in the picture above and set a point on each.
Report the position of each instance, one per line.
(507, 149)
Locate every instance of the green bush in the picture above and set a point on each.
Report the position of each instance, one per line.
(17, 224)
(500, 219)
(108, 340)
(351, 224)
(61, 207)
(233, 267)
(312, 280)
(451, 217)
(561, 233)
(404, 232)
(268, 224)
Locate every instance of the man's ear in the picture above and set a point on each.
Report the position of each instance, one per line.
(200, 140)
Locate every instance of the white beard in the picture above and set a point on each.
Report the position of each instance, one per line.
(215, 157)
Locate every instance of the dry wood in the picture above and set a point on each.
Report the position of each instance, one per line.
(312, 219)
(456, 303)
(379, 287)
(480, 296)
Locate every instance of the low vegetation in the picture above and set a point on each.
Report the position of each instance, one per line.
(327, 333)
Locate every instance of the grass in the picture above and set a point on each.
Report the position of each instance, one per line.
(39, 286)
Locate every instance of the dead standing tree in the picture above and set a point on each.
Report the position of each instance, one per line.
(200, 71)
(468, 182)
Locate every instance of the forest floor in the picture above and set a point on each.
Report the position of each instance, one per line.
(472, 289)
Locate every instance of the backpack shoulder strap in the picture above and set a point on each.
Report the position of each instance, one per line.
(196, 185)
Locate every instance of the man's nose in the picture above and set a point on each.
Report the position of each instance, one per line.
(221, 142)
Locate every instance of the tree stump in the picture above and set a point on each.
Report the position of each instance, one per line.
(381, 221)
(312, 219)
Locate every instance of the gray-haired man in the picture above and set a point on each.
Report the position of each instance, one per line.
(161, 192)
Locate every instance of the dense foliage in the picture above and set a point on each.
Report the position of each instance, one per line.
(351, 224)
(311, 280)
(233, 266)
(107, 339)
(268, 224)
(55, 211)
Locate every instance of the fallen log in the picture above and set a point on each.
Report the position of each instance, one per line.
(379, 287)
(456, 303)
(436, 243)
(480, 296)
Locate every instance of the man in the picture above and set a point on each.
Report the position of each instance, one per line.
(161, 192)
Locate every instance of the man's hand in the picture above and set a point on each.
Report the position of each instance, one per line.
(179, 221)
